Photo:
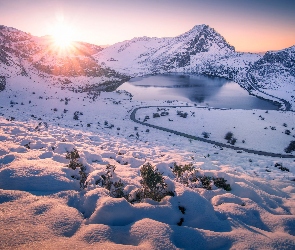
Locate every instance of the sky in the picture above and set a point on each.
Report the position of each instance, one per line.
(248, 25)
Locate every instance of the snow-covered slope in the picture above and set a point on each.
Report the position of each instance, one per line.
(43, 207)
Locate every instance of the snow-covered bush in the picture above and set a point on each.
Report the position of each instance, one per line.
(76, 115)
(73, 156)
(206, 134)
(153, 184)
(233, 141)
(187, 175)
(109, 182)
(183, 174)
(229, 136)
(291, 147)
(280, 166)
(182, 114)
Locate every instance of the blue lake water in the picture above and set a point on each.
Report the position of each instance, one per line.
(209, 91)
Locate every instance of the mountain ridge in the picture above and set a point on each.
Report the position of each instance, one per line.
(201, 50)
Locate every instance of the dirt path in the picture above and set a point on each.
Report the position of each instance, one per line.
(220, 144)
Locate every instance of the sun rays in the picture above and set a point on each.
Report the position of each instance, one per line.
(63, 35)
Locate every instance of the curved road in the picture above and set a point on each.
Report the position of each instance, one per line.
(132, 117)
(280, 100)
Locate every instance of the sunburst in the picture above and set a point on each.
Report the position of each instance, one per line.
(63, 35)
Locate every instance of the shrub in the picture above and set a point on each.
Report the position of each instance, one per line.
(205, 181)
(182, 209)
(284, 168)
(164, 113)
(228, 136)
(182, 173)
(187, 175)
(291, 147)
(233, 141)
(108, 181)
(76, 115)
(153, 184)
(287, 132)
(73, 156)
(221, 183)
(155, 115)
(182, 114)
(206, 134)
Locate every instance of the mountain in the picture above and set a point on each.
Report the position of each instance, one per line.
(201, 50)
(144, 55)
(24, 54)
(274, 74)
(274, 65)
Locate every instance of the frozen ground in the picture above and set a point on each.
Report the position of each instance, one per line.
(43, 207)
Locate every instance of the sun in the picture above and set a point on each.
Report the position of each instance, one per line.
(63, 35)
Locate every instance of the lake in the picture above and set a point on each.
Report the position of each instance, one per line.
(204, 90)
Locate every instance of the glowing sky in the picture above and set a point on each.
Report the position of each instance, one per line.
(249, 25)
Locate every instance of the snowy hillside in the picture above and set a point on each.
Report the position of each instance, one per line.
(211, 197)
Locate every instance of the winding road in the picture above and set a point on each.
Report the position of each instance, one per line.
(280, 100)
(223, 145)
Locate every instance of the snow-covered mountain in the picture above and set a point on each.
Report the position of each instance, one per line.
(144, 55)
(24, 54)
(204, 51)
(201, 50)
(274, 66)
(274, 74)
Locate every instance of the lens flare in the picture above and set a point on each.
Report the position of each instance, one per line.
(62, 34)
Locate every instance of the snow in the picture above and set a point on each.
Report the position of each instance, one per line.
(43, 207)
(259, 132)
